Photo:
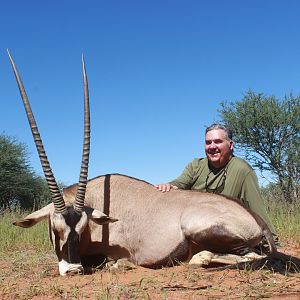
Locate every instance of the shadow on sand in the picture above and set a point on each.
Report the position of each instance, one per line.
(281, 263)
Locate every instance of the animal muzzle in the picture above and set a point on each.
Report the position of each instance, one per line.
(66, 268)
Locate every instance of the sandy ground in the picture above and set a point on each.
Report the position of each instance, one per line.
(27, 275)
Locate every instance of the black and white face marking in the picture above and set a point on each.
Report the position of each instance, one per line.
(66, 231)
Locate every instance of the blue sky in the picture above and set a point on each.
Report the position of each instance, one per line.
(157, 71)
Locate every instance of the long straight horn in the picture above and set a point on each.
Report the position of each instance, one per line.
(79, 200)
(56, 196)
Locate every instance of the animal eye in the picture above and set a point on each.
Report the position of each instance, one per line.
(58, 230)
(59, 233)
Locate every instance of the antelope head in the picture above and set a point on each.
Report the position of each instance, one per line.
(66, 222)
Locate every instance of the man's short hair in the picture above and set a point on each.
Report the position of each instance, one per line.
(220, 126)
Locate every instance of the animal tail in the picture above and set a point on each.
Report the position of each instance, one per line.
(267, 236)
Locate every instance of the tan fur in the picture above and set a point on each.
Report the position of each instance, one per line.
(152, 225)
(156, 229)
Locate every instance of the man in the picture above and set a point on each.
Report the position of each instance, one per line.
(222, 173)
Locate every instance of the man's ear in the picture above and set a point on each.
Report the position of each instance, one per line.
(231, 145)
(98, 217)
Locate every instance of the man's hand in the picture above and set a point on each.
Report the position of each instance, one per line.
(165, 187)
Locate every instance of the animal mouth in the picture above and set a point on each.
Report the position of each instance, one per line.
(75, 271)
(69, 268)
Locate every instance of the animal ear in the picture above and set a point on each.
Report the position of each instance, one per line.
(98, 217)
(26, 223)
(35, 217)
(104, 220)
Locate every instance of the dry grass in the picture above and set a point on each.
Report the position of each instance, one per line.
(29, 275)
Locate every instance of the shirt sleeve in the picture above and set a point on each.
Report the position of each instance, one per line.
(186, 179)
(252, 198)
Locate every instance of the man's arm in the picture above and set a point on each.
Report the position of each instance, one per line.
(166, 187)
(251, 195)
(184, 181)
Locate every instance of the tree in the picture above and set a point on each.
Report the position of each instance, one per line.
(267, 130)
(18, 183)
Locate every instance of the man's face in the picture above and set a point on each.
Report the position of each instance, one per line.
(218, 149)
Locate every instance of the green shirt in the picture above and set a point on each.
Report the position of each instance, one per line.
(237, 180)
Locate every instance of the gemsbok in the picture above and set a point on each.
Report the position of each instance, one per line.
(147, 227)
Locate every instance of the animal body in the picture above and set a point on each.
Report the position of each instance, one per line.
(147, 227)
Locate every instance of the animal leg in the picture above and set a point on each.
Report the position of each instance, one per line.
(218, 239)
(122, 264)
(205, 258)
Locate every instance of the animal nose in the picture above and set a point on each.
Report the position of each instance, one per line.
(66, 268)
